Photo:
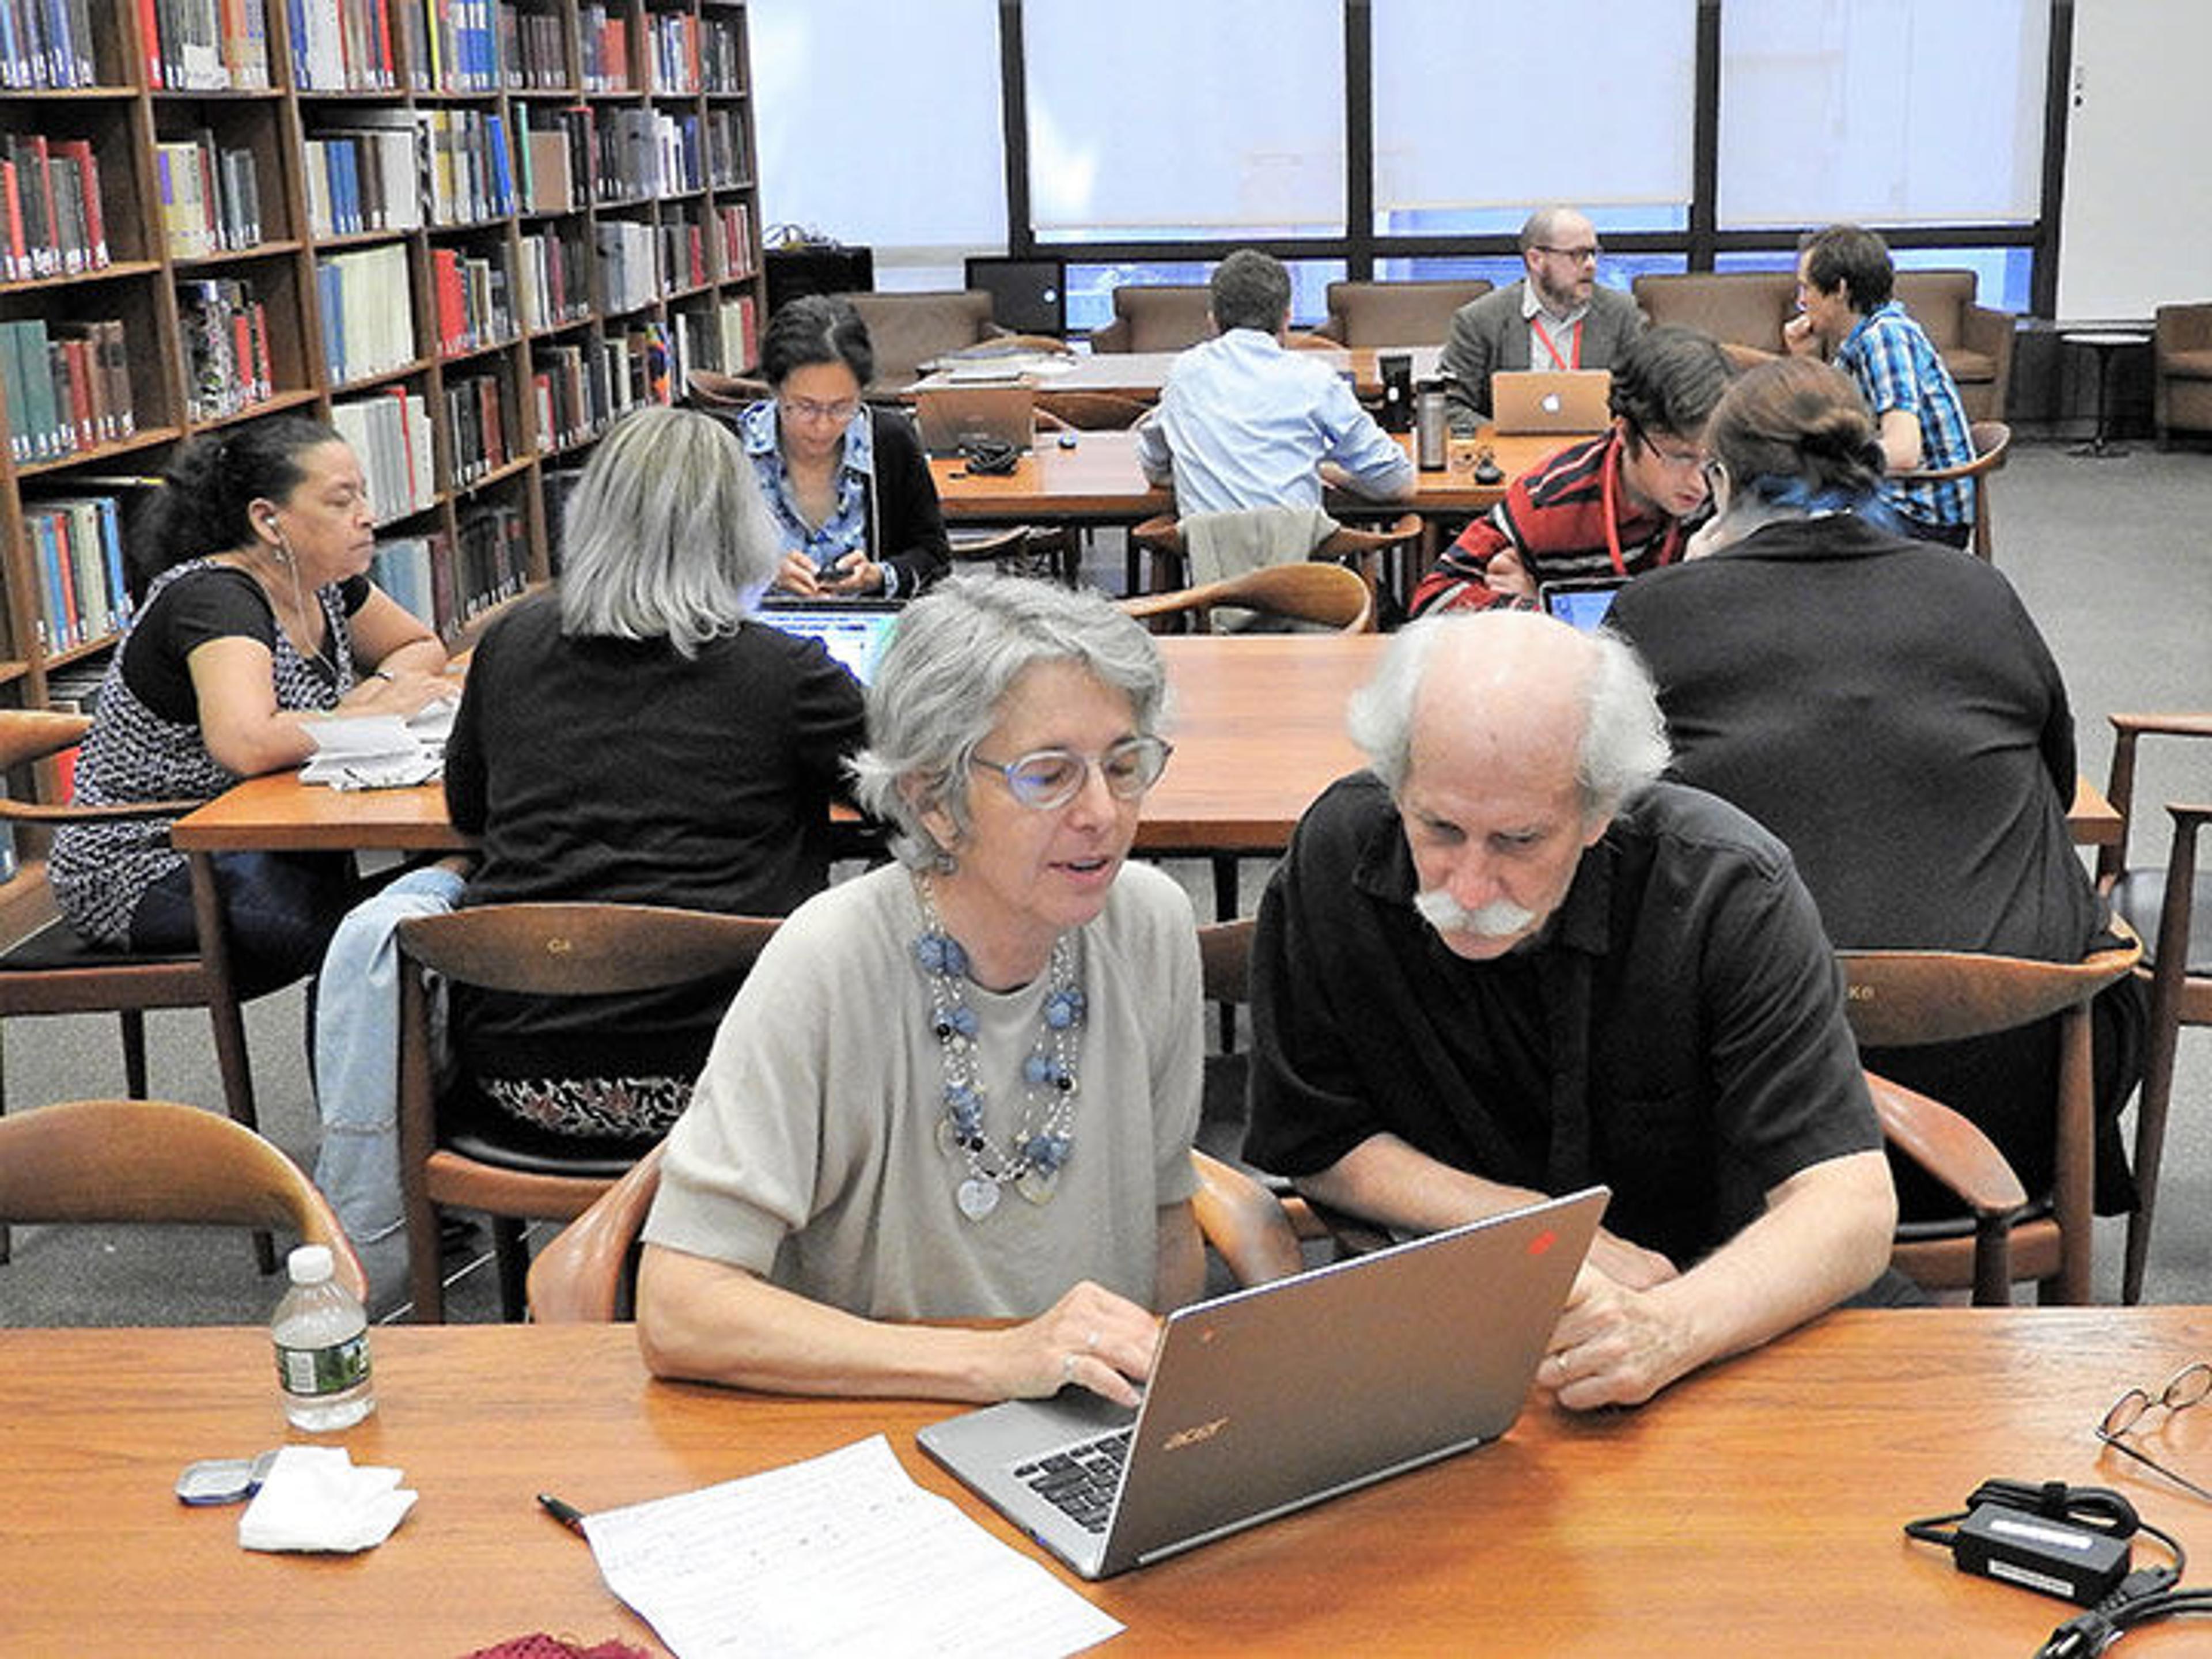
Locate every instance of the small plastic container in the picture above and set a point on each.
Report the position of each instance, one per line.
(321, 1335)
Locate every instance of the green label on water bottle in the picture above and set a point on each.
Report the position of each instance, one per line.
(311, 1371)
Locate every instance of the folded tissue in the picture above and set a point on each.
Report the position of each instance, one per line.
(314, 1498)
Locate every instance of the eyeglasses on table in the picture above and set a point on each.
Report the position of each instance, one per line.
(2189, 1385)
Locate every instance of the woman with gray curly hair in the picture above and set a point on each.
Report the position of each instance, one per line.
(962, 1086)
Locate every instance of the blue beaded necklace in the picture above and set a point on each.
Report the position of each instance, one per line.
(1043, 1140)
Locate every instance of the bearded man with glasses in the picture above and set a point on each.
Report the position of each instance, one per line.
(1555, 317)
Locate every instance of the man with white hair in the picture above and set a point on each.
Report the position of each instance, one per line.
(1507, 961)
(1555, 317)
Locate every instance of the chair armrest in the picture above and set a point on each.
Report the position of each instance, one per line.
(1949, 1147)
(1244, 1223)
(1330, 328)
(2170, 726)
(1982, 329)
(2183, 327)
(1007, 340)
(581, 1275)
(1114, 337)
(62, 812)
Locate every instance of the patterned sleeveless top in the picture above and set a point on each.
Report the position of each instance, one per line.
(100, 871)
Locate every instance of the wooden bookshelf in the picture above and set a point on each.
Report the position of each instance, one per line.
(292, 285)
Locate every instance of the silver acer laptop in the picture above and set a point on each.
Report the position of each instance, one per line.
(953, 416)
(1271, 1399)
(1540, 400)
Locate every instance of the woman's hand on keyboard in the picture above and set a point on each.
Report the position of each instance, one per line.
(1090, 1337)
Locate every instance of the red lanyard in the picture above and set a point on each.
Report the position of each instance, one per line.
(1572, 361)
(1610, 499)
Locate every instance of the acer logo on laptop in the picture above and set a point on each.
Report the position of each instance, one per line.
(1193, 1435)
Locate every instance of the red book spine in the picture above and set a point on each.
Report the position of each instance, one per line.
(76, 375)
(150, 42)
(47, 256)
(16, 265)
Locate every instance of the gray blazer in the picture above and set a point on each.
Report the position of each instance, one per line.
(1489, 334)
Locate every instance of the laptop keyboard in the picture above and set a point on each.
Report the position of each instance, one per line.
(1080, 1480)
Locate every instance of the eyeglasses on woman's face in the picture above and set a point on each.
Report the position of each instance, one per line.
(1048, 778)
(807, 410)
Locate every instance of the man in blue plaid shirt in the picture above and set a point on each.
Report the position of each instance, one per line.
(1846, 313)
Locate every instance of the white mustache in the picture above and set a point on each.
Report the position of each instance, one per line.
(1499, 918)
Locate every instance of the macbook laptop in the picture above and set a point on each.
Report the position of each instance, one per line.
(1537, 400)
(854, 631)
(1583, 600)
(1271, 1399)
(953, 415)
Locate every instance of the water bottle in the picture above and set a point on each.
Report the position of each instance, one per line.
(321, 1334)
(1431, 427)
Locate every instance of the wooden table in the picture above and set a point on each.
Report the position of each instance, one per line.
(1754, 1509)
(1141, 374)
(1098, 482)
(1258, 726)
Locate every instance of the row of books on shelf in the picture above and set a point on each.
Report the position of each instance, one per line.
(714, 245)
(50, 206)
(470, 298)
(46, 43)
(223, 333)
(67, 387)
(580, 388)
(603, 39)
(479, 425)
(76, 547)
(204, 45)
(450, 583)
(340, 46)
(364, 179)
(390, 433)
(210, 196)
(468, 168)
(553, 284)
(368, 324)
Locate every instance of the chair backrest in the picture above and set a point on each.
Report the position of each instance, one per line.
(1907, 999)
(1939, 301)
(1397, 313)
(1157, 317)
(154, 1161)
(1737, 307)
(908, 329)
(1324, 593)
(583, 950)
(1092, 412)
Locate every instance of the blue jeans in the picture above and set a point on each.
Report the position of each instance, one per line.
(279, 912)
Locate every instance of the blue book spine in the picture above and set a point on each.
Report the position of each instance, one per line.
(110, 554)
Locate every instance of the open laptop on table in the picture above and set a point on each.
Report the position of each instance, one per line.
(854, 631)
(1540, 400)
(953, 417)
(1582, 601)
(1271, 1399)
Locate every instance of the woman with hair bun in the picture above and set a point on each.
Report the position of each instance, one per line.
(1887, 708)
(255, 616)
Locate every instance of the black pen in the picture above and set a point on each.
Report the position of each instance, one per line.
(567, 1514)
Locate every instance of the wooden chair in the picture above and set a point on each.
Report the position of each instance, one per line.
(1366, 550)
(1090, 411)
(1906, 999)
(1323, 593)
(153, 1161)
(2172, 908)
(587, 1273)
(50, 970)
(1992, 441)
(707, 389)
(540, 949)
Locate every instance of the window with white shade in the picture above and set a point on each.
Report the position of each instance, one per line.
(1485, 109)
(1166, 120)
(1888, 112)
(878, 125)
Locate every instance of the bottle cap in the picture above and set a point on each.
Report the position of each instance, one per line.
(309, 1264)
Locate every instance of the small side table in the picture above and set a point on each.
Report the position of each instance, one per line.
(2105, 343)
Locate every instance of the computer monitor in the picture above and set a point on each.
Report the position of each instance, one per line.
(1029, 296)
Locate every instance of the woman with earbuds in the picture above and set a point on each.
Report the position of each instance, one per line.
(254, 616)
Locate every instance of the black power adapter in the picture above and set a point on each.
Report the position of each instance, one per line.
(2040, 1552)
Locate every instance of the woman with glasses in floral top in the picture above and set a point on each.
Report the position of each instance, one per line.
(850, 491)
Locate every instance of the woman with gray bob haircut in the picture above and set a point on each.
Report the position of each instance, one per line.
(936, 695)
(1624, 746)
(666, 536)
(962, 1086)
(633, 736)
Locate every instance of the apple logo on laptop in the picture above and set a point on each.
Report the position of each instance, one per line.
(1550, 405)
